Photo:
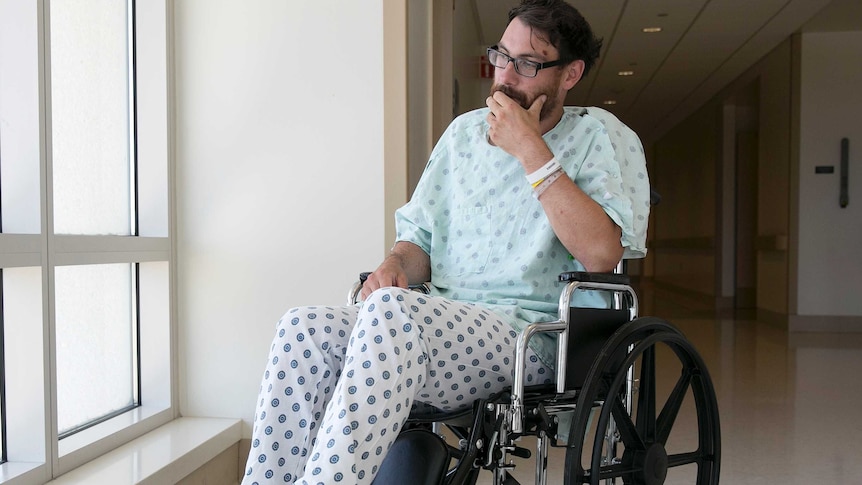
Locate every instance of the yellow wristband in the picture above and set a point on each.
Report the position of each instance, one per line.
(546, 182)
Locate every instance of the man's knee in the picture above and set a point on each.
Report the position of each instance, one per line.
(386, 294)
(386, 319)
(384, 305)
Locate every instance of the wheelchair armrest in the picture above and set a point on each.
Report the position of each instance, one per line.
(585, 277)
(574, 280)
(624, 308)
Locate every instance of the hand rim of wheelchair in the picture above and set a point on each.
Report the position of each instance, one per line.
(645, 460)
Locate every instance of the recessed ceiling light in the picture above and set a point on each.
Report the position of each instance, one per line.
(609, 101)
(651, 30)
(626, 73)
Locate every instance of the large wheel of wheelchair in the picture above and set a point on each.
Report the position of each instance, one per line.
(641, 453)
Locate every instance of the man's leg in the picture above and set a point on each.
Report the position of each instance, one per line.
(385, 365)
(407, 346)
(304, 364)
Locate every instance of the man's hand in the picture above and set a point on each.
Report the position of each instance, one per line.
(407, 264)
(389, 273)
(516, 130)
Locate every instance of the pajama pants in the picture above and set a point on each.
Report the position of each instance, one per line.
(340, 381)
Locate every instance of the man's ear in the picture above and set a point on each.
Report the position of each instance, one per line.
(574, 71)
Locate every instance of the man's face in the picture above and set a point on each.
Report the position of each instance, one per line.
(519, 41)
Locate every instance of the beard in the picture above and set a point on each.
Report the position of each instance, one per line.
(526, 100)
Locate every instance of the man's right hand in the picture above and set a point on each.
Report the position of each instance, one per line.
(406, 264)
(517, 130)
(389, 273)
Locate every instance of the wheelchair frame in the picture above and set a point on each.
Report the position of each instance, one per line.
(488, 434)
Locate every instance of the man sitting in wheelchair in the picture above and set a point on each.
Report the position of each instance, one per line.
(512, 195)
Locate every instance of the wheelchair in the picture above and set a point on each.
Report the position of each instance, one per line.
(602, 408)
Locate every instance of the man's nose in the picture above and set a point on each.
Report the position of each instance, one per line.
(506, 75)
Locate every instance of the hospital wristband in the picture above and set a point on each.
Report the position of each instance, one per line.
(536, 178)
(544, 184)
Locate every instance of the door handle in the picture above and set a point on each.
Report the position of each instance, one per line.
(844, 197)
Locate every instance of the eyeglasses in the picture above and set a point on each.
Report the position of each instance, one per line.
(523, 67)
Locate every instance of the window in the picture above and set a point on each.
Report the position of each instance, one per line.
(86, 259)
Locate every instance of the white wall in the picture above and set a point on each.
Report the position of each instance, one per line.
(830, 266)
(280, 178)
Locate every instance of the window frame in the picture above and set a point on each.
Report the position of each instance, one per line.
(151, 251)
(3, 444)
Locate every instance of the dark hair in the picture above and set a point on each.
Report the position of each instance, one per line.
(563, 26)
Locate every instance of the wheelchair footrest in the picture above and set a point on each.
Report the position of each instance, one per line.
(418, 457)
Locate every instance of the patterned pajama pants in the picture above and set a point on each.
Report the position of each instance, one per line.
(340, 381)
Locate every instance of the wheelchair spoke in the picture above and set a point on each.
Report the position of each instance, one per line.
(668, 414)
(681, 459)
(609, 471)
(628, 432)
(646, 423)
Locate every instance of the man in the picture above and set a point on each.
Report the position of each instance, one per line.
(512, 195)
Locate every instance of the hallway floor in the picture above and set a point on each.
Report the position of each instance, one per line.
(789, 403)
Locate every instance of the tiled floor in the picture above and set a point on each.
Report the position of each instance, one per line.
(789, 403)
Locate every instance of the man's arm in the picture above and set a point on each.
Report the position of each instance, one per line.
(582, 226)
(407, 264)
(578, 221)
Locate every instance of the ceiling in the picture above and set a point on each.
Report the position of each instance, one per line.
(703, 46)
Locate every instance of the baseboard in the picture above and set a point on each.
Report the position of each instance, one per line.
(773, 318)
(687, 296)
(824, 323)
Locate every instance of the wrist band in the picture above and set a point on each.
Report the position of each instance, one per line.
(539, 175)
(544, 184)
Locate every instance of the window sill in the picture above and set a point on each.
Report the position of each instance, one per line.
(164, 455)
